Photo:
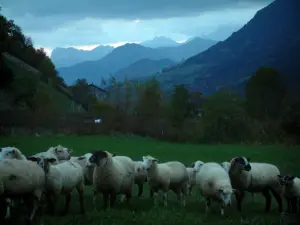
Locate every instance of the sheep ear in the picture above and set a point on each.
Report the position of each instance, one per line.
(248, 159)
(155, 160)
(32, 158)
(113, 154)
(144, 158)
(81, 158)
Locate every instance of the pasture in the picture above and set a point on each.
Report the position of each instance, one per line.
(141, 210)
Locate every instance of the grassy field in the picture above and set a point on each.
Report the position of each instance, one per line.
(142, 210)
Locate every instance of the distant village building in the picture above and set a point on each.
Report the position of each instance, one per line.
(100, 93)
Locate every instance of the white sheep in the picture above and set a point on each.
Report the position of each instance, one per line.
(292, 191)
(192, 174)
(214, 184)
(61, 179)
(225, 165)
(11, 153)
(112, 176)
(88, 168)
(255, 177)
(59, 152)
(167, 176)
(22, 178)
(140, 176)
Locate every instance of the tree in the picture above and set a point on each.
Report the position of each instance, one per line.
(265, 93)
(179, 105)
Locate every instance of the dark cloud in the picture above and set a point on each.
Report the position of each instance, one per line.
(120, 9)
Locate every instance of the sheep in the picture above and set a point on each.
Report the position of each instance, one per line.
(192, 174)
(167, 176)
(59, 152)
(214, 184)
(292, 191)
(140, 176)
(61, 179)
(255, 177)
(225, 165)
(112, 176)
(22, 178)
(88, 168)
(11, 153)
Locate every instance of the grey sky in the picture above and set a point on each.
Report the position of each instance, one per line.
(74, 22)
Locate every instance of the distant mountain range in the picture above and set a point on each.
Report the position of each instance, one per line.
(128, 54)
(270, 38)
(62, 57)
(160, 41)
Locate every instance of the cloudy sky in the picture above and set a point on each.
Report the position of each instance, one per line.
(86, 24)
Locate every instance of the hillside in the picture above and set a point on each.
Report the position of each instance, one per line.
(62, 57)
(269, 39)
(119, 58)
(142, 68)
(188, 49)
(125, 55)
(159, 41)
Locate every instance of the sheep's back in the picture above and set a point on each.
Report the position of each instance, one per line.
(21, 176)
(262, 175)
(178, 172)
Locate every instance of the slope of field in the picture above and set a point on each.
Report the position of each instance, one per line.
(20, 69)
(141, 210)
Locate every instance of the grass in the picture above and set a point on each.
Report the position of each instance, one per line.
(142, 210)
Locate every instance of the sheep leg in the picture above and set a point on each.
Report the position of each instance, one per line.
(50, 204)
(222, 209)
(267, 195)
(239, 198)
(128, 196)
(67, 204)
(151, 193)
(112, 199)
(165, 198)
(278, 199)
(155, 196)
(80, 191)
(207, 204)
(184, 192)
(293, 201)
(288, 202)
(105, 200)
(95, 200)
(141, 188)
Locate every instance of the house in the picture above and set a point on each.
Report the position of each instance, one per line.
(100, 93)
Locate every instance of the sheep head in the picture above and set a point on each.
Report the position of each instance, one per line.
(98, 157)
(62, 153)
(43, 162)
(197, 166)
(149, 161)
(240, 163)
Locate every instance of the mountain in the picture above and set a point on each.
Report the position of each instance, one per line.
(119, 58)
(143, 68)
(222, 32)
(159, 41)
(189, 48)
(271, 38)
(62, 57)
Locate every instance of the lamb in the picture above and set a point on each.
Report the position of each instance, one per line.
(112, 176)
(255, 177)
(22, 178)
(59, 152)
(140, 176)
(292, 191)
(167, 176)
(214, 184)
(11, 153)
(192, 174)
(61, 179)
(225, 165)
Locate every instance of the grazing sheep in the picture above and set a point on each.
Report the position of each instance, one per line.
(292, 191)
(255, 177)
(112, 176)
(225, 165)
(59, 152)
(192, 174)
(214, 184)
(11, 153)
(167, 176)
(61, 179)
(22, 178)
(140, 176)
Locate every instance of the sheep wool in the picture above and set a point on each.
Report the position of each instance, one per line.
(11, 153)
(167, 176)
(214, 184)
(88, 169)
(112, 176)
(225, 165)
(59, 152)
(140, 176)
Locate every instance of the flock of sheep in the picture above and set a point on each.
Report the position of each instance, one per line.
(56, 172)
